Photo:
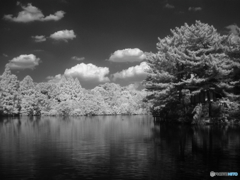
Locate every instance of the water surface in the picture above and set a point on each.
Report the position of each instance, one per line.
(114, 147)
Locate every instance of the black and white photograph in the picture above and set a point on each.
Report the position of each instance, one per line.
(119, 89)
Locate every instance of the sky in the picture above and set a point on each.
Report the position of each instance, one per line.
(97, 41)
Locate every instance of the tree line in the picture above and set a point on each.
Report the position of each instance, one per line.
(66, 97)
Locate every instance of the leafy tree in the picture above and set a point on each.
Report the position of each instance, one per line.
(194, 58)
(47, 96)
(111, 94)
(97, 97)
(9, 93)
(26, 84)
(29, 94)
(69, 89)
(140, 107)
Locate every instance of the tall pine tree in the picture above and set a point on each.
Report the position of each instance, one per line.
(194, 59)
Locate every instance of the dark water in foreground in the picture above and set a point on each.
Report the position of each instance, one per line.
(121, 147)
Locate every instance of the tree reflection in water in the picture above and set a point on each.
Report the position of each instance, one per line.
(197, 150)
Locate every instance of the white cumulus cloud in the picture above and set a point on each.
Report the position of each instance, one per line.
(127, 55)
(78, 58)
(57, 16)
(88, 72)
(131, 72)
(56, 78)
(39, 38)
(24, 62)
(64, 35)
(31, 13)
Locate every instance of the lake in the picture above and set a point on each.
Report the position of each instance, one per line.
(114, 147)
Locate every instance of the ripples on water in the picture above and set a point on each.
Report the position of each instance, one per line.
(114, 147)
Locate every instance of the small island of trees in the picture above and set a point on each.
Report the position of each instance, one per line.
(193, 78)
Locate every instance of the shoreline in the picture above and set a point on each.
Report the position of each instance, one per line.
(156, 120)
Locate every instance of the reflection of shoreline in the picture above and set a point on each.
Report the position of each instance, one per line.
(131, 146)
(204, 122)
(87, 145)
(45, 115)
